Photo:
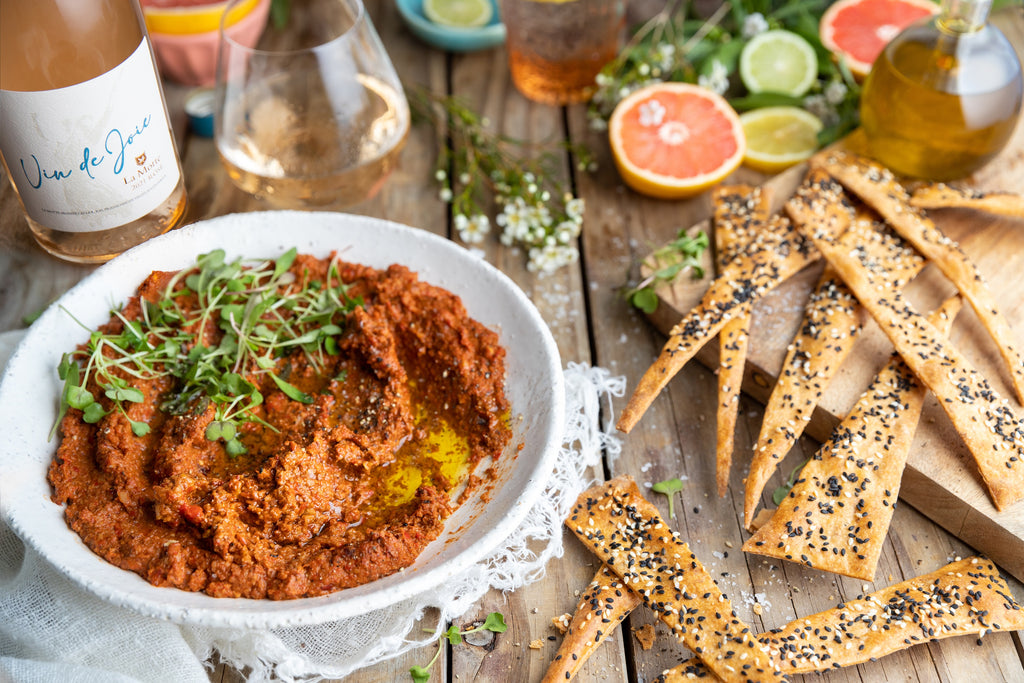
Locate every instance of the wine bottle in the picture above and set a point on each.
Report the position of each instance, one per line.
(84, 133)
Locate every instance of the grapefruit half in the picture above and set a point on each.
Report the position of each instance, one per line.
(859, 29)
(674, 140)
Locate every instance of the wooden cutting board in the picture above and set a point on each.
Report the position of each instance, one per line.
(941, 479)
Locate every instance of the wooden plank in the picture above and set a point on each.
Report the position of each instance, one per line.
(482, 80)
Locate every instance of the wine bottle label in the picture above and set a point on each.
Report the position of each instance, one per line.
(94, 155)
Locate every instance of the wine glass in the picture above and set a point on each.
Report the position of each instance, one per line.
(309, 110)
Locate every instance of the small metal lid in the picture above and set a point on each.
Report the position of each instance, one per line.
(199, 109)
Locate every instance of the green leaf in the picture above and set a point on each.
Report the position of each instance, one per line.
(122, 392)
(453, 635)
(212, 261)
(232, 313)
(495, 622)
(291, 391)
(419, 674)
(78, 397)
(236, 385)
(220, 429)
(66, 364)
(669, 488)
(280, 12)
(285, 262)
(93, 413)
(234, 448)
(645, 299)
(781, 492)
(139, 428)
(765, 99)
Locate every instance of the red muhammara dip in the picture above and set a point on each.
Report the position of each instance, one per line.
(365, 427)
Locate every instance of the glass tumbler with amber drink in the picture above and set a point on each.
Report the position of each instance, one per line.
(309, 109)
(944, 96)
(556, 48)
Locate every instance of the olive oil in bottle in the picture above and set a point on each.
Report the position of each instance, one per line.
(944, 96)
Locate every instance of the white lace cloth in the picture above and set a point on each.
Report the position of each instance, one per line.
(51, 630)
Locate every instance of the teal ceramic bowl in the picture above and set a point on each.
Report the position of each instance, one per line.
(450, 38)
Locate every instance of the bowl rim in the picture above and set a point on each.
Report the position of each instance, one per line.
(20, 502)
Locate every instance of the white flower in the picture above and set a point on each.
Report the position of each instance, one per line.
(666, 56)
(474, 229)
(440, 175)
(550, 258)
(445, 194)
(644, 69)
(835, 92)
(754, 24)
(461, 222)
(718, 80)
(574, 209)
(464, 178)
(566, 231)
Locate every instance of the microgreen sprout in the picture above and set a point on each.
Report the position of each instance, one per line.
(669, 487)
(245, 322)
(495, 622)
(681, 254)
(781, 492)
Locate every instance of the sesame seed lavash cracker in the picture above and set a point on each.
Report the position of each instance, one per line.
(878, 187)
(988, 427)
(832, 319)
(739, 211)
(942, 196)
(966, 597)
(777, 252)
(602, 607)
(837, 515)
(625, 531)
(831, 322)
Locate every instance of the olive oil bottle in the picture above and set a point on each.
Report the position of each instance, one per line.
(944, 96)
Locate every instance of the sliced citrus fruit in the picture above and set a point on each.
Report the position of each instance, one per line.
(778, 137)
(858, 30)
(458, 13)
(778, 61)
(184, 17)
(673, 140)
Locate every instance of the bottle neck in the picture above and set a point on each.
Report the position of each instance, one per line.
(964, 16)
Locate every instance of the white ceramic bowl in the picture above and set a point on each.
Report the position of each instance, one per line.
(30, 387)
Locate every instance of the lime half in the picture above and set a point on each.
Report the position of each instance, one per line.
(458, 13)
(778, 61)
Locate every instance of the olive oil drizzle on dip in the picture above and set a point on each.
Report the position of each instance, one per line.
(276, 430)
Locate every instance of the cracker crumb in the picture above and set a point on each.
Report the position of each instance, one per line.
(536, 644)
(561, 623)
(645, 635)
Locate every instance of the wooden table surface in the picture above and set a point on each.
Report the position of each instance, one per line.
(591, 323)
